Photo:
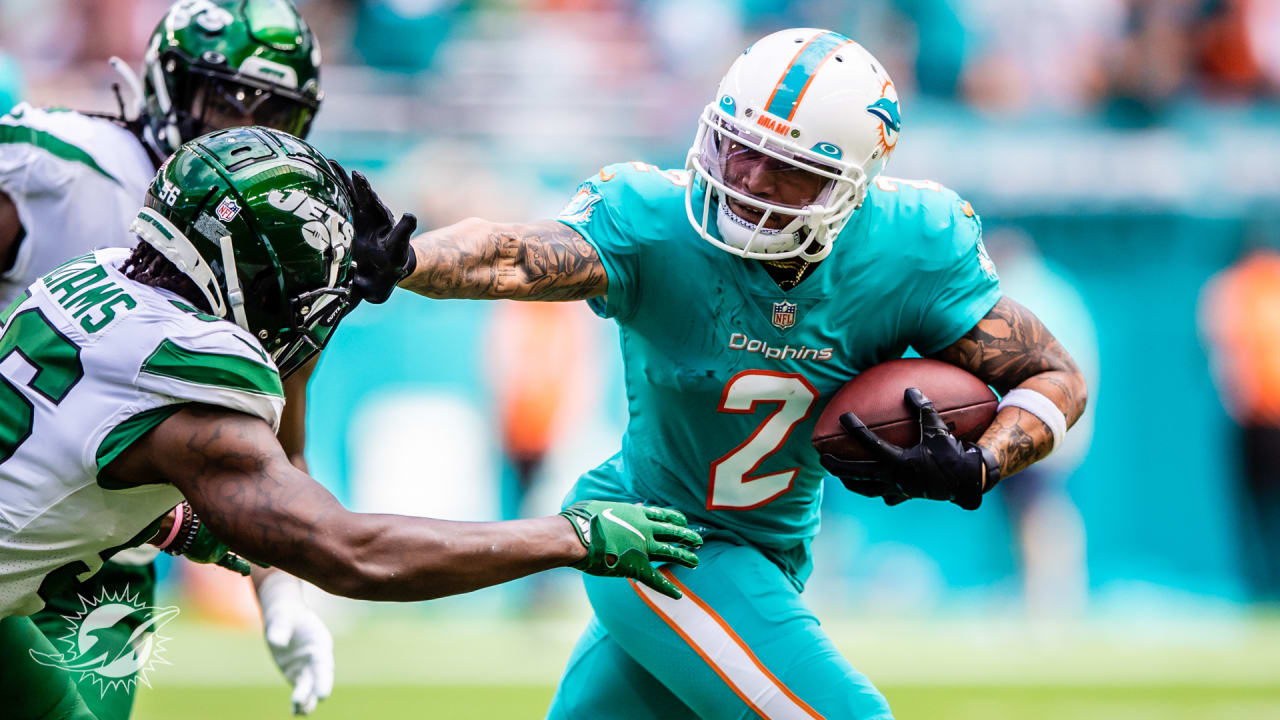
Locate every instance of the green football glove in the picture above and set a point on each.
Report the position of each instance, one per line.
(208, 549)
(194, 541)
(624, 540)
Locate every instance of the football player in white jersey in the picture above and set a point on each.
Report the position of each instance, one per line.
(144, 379)
(71, 182)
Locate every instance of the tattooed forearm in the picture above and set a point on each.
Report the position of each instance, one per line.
(1018, 439)
(477, 259)
(1011, 348)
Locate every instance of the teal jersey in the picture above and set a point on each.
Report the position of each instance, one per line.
(726, 373)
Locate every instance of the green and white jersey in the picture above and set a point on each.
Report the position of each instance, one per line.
(77, 182)
(89, 362)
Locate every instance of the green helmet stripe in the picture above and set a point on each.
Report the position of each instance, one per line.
(233, 372)
(18, 134)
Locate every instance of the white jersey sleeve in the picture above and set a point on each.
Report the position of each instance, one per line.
(90, 361)
(77, 182)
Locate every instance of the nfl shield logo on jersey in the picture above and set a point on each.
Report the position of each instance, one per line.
(227, 209)
(784, 314)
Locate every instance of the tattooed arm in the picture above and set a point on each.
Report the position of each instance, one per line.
(1010, 348)
(482, 260)
(234, 473)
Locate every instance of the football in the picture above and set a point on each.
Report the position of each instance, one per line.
(876, 396)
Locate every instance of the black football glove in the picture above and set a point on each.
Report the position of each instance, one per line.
(381, 250)
(940, 467)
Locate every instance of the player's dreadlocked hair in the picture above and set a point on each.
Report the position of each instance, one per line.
(146, 265)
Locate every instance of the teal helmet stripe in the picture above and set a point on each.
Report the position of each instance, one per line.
(796, 78)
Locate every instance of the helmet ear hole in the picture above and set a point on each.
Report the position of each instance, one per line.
(264, 290)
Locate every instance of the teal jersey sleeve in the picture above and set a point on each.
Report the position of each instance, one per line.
(624, 211)
(956, 284)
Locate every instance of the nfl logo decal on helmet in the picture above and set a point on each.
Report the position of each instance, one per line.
(784, 315)
(227, 209)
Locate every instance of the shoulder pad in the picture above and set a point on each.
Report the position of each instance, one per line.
(208, 360)
(933, 223)
(641, 197)
(68, 136)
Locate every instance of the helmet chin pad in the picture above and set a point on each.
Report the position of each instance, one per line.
(745, 235)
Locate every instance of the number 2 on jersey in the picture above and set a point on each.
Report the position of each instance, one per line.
(732, 485)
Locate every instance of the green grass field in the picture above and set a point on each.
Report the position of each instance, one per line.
(518, 701)
(413, 667)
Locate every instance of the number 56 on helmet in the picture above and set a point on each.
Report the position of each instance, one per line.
(261, 223)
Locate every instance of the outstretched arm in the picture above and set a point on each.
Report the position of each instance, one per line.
(1010, 348)
(472, 259)
(235, 474)
(233, 471)
(478, 259)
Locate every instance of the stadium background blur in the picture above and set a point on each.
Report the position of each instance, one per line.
(1122, 154)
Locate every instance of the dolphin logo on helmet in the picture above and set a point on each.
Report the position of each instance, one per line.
(887, 110)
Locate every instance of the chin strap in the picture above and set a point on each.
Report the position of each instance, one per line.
(235, 296)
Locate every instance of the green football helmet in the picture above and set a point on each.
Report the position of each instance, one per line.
(214, 64)
(262, 224)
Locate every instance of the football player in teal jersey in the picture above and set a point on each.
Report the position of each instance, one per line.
(740, 315)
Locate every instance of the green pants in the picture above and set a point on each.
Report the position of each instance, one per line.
(115, 702)
(28, 689)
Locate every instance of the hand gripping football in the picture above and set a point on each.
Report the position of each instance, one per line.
(876, 396)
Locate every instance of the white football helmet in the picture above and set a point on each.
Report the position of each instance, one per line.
(797, 101)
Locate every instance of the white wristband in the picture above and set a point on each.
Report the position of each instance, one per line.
(1040, 406)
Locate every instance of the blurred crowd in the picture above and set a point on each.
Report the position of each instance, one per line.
(1128, 59)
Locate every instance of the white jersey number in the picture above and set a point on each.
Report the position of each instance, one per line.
(732, 485)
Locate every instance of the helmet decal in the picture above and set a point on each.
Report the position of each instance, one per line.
(886, 110)
(228, 209)
(323, 228)
(207, 15)
(273, 72)
(728, 105)
(828, 149)
(795, 80)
